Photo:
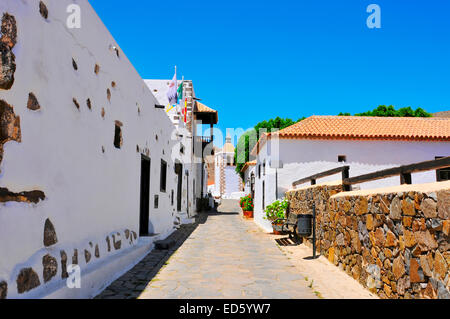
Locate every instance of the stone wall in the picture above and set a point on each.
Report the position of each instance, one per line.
(394, 242)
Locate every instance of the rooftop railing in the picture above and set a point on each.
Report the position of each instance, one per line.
(403, 171)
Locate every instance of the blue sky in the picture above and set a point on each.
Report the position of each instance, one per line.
(255, 60)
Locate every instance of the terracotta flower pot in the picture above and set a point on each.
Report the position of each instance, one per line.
(248, 214)
(277, 229)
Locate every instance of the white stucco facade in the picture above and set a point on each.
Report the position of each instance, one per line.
(227, 180)
(92, 189)
(305, 157)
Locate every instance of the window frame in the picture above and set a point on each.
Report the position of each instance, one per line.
(439, 171)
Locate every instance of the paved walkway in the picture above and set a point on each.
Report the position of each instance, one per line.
(224, 257)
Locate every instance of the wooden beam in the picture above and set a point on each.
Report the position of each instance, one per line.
(315, 177)
(404, 171)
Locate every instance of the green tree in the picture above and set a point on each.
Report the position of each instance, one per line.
(249, 139)
(390, 111)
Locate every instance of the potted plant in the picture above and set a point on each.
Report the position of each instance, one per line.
(247, 206)
(276, 214)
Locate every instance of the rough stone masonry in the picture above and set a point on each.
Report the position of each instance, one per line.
(395, 244)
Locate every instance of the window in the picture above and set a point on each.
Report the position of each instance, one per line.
(172, 197)
(156, 201)
(264, 168)
(442, 174)
(342, 159)
(263, 195)
(118, 141)
(259, 170)
(163, 176)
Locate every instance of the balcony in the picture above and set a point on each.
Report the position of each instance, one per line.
(204, 141)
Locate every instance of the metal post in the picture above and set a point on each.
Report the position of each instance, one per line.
(314, 230)
(276, 183)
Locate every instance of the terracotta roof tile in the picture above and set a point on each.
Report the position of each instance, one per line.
(384, 128)
(204, 109)
(247, 165)
(365, 128)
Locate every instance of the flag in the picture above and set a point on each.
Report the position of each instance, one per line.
(172, 93)
(185, 111)
(180, 93)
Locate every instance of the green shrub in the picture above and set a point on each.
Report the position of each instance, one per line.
(277, 210)
(247, 203)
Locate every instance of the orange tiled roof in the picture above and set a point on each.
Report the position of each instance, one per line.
(247, 165)
(366, 128)
(204, 109)
(353, 127)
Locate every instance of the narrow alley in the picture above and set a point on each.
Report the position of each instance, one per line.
(224, 257)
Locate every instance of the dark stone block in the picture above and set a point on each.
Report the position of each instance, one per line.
(75, 257)
(64, 273)
(9, 30)
(3, 290)
(87, 256)
(33, 103)
(50, 267)
(50, 237)
(27, 280)
(43, 10)
(108, 241)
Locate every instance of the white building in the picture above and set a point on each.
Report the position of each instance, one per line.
(366, 144)
(192, 149)
(248, 171)
(89, 163)
(227, 180)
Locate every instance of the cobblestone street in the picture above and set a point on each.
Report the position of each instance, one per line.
(221, 256)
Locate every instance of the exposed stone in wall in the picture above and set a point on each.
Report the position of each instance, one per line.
(7, 57)
(32, 197)
(43, 10)
(9, 126)
(64, 273)
(89, 104)
(87, 256)
(27, 280)
(74, 64)
(50, 237)
(50, 267)
(9, 30)
(97, 251)
(3, 290)
(117, 243)
(113, 84)
(108, 94)
(127, 233)
(400, 252)
(96, 69)
(77, 105)
(134, 235)
(103, 112)
(75, 257)
(108, 242)
(33, 103)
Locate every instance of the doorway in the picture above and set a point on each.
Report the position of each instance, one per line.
(145, 196)
(179, 173)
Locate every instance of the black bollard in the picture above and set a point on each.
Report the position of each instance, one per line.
(314, 231)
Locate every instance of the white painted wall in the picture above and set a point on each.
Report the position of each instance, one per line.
(247, 178)
(303, 158)
(90, 194)
(231, 180)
